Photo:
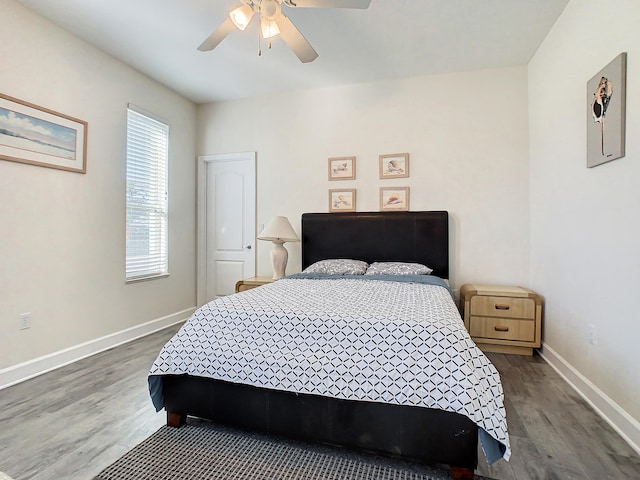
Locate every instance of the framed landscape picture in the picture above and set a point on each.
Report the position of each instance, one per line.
(342, 200)
(394, 199)
(342, 168)
(395, 165)
(39, 136)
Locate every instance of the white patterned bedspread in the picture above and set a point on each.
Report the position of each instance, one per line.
(350, 338)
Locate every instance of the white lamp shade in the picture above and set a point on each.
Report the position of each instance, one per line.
(269, 28)
(278, 229)
(241, 16)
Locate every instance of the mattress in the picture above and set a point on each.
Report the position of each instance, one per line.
(373, 338)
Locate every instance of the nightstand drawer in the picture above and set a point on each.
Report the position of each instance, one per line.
(503, 328)
(511, 307)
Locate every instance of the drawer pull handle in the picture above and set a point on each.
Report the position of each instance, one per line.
(501, 328)
(501, 306)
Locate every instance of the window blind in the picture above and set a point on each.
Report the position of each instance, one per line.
(146, 196)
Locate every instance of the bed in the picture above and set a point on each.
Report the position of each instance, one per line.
(337, 359)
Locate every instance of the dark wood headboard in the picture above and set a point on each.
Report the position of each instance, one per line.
(421, 237)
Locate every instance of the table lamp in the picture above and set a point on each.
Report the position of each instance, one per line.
(279, 230)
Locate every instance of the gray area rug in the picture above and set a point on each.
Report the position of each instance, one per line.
(213, 452)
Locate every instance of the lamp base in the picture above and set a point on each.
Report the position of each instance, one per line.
(279, 258)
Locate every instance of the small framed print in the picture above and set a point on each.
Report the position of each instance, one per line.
(342, 168)
(394, 199)
(342, 200)
(395, 165)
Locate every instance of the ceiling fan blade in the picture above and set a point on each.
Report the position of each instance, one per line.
(328, 3)
(296, 41)
(217, 36)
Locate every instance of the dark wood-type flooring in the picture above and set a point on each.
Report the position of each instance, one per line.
(74, 421)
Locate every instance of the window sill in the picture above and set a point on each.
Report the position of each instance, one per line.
(145, 278)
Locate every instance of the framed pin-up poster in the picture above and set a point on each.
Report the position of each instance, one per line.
(606, 111)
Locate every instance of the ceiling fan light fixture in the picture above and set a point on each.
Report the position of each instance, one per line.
(270, 9)
(273, 22)
(269, 28)
(241, 16)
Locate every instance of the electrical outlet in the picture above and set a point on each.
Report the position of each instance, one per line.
(25, 321)
(592, 338)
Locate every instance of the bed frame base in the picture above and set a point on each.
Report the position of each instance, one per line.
(459, 473)
(176, 419)
(427, 435)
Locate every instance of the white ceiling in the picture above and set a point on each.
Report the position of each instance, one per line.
(391, 39)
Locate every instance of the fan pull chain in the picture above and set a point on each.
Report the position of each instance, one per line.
(259, 47)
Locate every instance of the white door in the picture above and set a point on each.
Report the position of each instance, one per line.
(226, 223)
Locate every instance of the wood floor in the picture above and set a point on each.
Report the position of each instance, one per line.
(71, 423)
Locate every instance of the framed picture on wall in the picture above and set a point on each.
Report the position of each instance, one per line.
(342, 200)
(39, 136)
(395, 165)
(342, 168)
(606, 105)
(394, 199)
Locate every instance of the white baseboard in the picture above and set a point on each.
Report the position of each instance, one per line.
(623, 423)
(32, 368)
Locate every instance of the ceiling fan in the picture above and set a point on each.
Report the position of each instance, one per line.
(274, 22)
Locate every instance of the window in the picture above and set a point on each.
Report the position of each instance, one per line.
(147, 165)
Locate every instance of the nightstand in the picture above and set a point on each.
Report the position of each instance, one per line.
(502, 319)
(249, 283)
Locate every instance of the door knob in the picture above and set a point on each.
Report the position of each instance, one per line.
(248, 247)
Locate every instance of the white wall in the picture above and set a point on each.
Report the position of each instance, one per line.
(468, 134)
(585, 222)
(62, 234)
(467, 139)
